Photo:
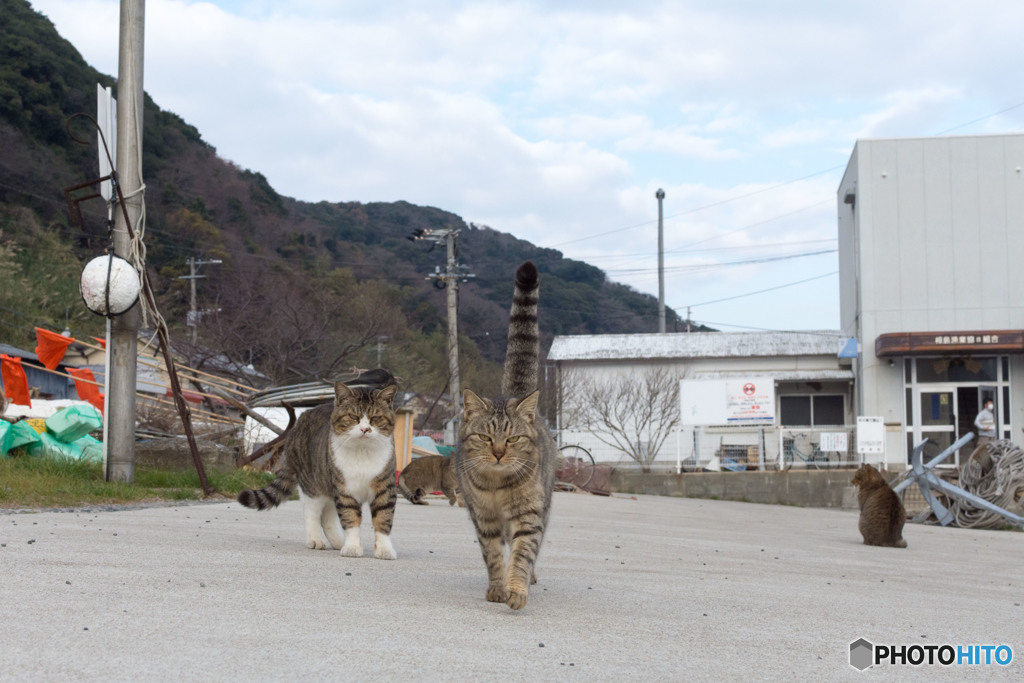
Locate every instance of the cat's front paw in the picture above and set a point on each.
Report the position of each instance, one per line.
(496, 593)
(516, 599)
(352, 550)
(516, 590)
(383, 550)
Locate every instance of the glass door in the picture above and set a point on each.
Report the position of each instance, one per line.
(938, 421)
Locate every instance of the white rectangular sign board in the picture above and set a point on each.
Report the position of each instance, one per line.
(870, 435)
(833, 442)
(750, 400)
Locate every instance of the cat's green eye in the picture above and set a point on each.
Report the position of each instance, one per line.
(512, 439)
(484, 438)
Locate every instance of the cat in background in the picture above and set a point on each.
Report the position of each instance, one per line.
(426, 474)
(881, 510)
(340, 456)
(505, 464)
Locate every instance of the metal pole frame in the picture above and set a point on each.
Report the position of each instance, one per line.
(923, 474)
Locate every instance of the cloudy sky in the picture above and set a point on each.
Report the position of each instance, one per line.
(558, 121)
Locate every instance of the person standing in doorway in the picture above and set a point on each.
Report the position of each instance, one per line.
(986, 424)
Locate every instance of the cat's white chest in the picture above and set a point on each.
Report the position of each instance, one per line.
(360, 460)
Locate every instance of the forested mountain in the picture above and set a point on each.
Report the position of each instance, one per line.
(303, 290)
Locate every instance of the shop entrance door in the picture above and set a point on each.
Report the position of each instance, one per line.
(938, 423)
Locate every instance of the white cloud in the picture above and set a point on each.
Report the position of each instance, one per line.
(897, 107)
(558, 124)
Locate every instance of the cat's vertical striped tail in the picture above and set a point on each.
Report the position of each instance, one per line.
(521, 356)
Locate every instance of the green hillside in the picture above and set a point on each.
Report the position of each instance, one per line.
(305, 289)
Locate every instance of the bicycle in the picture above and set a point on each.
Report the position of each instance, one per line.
(575, 466)
(801, 448)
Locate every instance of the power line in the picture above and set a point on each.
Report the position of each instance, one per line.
(684, 251)
(970, 123)
(703, 207)
(685, 248)
(765, 189)
(759, 223)
(761, 291)
(727, 264)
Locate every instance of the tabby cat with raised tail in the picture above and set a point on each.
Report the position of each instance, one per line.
(340, 456)
(881, 510)
(506, 462)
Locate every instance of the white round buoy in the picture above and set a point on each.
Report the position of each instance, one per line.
(119, 275)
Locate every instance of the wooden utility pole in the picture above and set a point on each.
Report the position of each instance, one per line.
(124, 329)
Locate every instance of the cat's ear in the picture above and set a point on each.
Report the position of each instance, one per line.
(387, 394)
(342, 392)
(527, 408)
(473, 404)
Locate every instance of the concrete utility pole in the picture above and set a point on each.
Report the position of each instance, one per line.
(452, 285)
(660, 194)
(120, 401)
(449, 279)
(380, 348)
(193, 320)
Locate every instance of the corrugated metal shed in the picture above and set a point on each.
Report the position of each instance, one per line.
(695, 345)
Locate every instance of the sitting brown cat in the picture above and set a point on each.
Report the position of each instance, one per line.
(426, 474)
(881, 510)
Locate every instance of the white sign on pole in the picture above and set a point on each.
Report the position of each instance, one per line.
(870, 436)
(106, 117)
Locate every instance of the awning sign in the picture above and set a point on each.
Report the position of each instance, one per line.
(847, 348)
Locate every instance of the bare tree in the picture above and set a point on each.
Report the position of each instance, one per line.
(633, 412)
(295, 326)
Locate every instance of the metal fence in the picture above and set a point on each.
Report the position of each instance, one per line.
(818, 447)
(737, 448)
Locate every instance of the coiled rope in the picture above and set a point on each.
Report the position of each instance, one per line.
(997, 478)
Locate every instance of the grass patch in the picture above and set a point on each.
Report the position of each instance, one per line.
(45, 481)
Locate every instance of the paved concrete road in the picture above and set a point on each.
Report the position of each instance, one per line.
(630, 589)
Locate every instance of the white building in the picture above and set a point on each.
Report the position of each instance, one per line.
(931, 249)
(931, 270)
(805, 383)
